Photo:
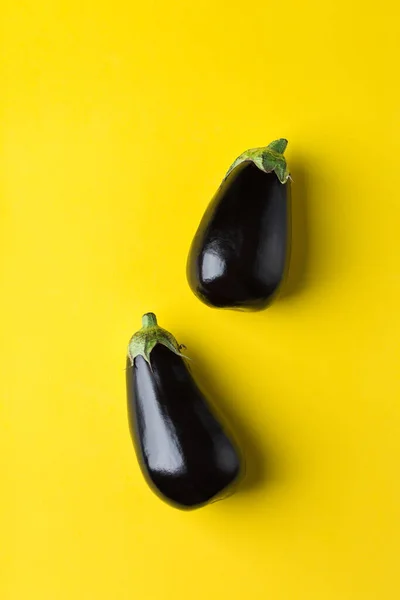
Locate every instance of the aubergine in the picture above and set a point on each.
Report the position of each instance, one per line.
(185, 453)
(240, 253)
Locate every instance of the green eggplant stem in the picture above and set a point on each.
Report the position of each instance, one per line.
(149, 320)
(145, 340)
(268, 159)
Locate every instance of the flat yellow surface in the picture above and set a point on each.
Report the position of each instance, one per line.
(117, 122)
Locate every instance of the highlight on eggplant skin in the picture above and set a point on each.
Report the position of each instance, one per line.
(240, 253)
(185, 453)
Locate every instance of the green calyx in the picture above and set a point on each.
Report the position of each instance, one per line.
(268, 159)
(144, 340)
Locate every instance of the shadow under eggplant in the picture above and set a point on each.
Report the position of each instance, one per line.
(296, 279)
(260, 469)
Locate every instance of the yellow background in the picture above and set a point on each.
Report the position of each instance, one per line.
(117, 122)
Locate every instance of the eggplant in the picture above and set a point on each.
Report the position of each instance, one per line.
(240, 253)
(184, 451)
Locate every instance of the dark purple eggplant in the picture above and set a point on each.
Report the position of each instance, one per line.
(184, 452)
(240, 253)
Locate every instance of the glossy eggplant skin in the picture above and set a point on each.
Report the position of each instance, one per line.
(184, 452)
(240, 253)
